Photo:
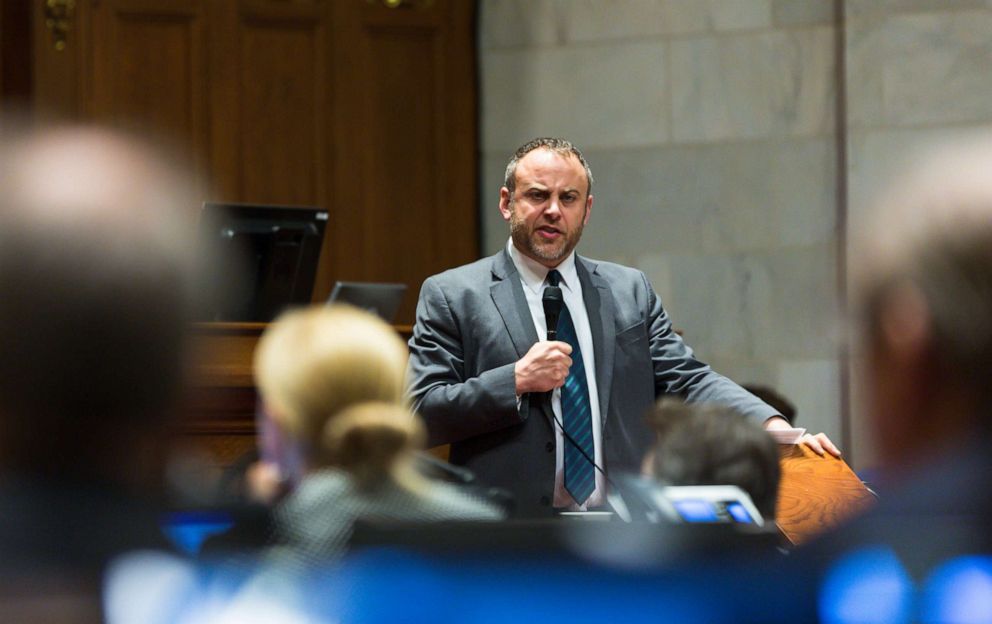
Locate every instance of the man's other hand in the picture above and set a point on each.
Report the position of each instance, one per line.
(820, 443)
(544, 367)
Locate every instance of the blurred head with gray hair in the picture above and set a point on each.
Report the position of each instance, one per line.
(95, 264)
(922, 277)
(709, 444)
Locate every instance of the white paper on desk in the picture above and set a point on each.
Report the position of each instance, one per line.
(787, 436)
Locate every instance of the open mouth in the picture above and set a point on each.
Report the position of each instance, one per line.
(548, 233)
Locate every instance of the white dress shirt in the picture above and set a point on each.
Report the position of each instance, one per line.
(532, 277)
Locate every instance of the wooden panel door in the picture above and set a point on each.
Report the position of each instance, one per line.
(146, 69)
(270, 84)
(15, 53)
(405, 179)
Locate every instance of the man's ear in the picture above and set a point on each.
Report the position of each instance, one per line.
(588, 210)
(504, 203)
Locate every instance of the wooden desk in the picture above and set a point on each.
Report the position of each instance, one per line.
(816, 493)
(222, 353)
(219, 410)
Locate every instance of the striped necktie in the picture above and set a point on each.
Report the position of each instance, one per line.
(580, 476)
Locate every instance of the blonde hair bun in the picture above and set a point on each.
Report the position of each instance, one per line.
(370, 438)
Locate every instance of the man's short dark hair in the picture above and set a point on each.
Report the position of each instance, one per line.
(706, 444)
(559, 146)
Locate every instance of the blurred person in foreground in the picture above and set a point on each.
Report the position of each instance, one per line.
(923, 286)
(707, 444)
(95, 287)
(332, 384)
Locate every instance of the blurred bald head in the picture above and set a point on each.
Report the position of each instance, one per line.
(924, 282)
(95, 261)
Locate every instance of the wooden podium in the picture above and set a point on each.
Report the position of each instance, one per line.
(815, 493)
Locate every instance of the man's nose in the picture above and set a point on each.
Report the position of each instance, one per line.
(553, 209)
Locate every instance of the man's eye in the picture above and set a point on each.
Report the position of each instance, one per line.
(537, 195)
(568, 199)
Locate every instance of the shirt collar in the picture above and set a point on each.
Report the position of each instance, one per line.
(534, 273)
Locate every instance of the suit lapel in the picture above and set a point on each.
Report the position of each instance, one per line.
(508, 295)
(599, 306)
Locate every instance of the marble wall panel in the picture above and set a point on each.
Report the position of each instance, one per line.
(729, 15)
(865, 48)
(743, 218)
(495, 230)
(859, 8)
(939, 69)
(711, 303)
(658, 270)
(599, 96)
(814, 387)
(725, 197)
(771, 194)
(804, 192)
(599, 20)
(915, 69)
(647, 201)
(516, 23)
(863, 441)
(764, 85)
(877, 158)
(793, 301)
(741, 370)
(802, 12)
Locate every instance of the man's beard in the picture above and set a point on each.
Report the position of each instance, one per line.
(526, 240)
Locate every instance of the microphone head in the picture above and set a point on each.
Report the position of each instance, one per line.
(552, 301)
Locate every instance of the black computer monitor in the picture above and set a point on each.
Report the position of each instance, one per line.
(263, 258)
(382, 299)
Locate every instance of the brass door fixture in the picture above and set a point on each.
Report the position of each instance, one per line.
(58, 19)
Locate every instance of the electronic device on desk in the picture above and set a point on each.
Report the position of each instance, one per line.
(710, 503)
(706, 504)
(262, 259)
(382, 299)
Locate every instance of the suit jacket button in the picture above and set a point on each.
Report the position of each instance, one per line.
(549, 447)
(545, 501)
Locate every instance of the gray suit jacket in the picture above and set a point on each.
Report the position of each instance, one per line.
(473, 324)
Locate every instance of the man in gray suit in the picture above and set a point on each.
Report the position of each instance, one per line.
(486, 381)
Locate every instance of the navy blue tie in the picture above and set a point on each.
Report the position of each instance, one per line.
(580, 477)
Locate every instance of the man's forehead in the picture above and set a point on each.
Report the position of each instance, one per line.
(533, 185)
(543, 166)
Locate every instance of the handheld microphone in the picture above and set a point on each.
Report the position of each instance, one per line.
(552, 300)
